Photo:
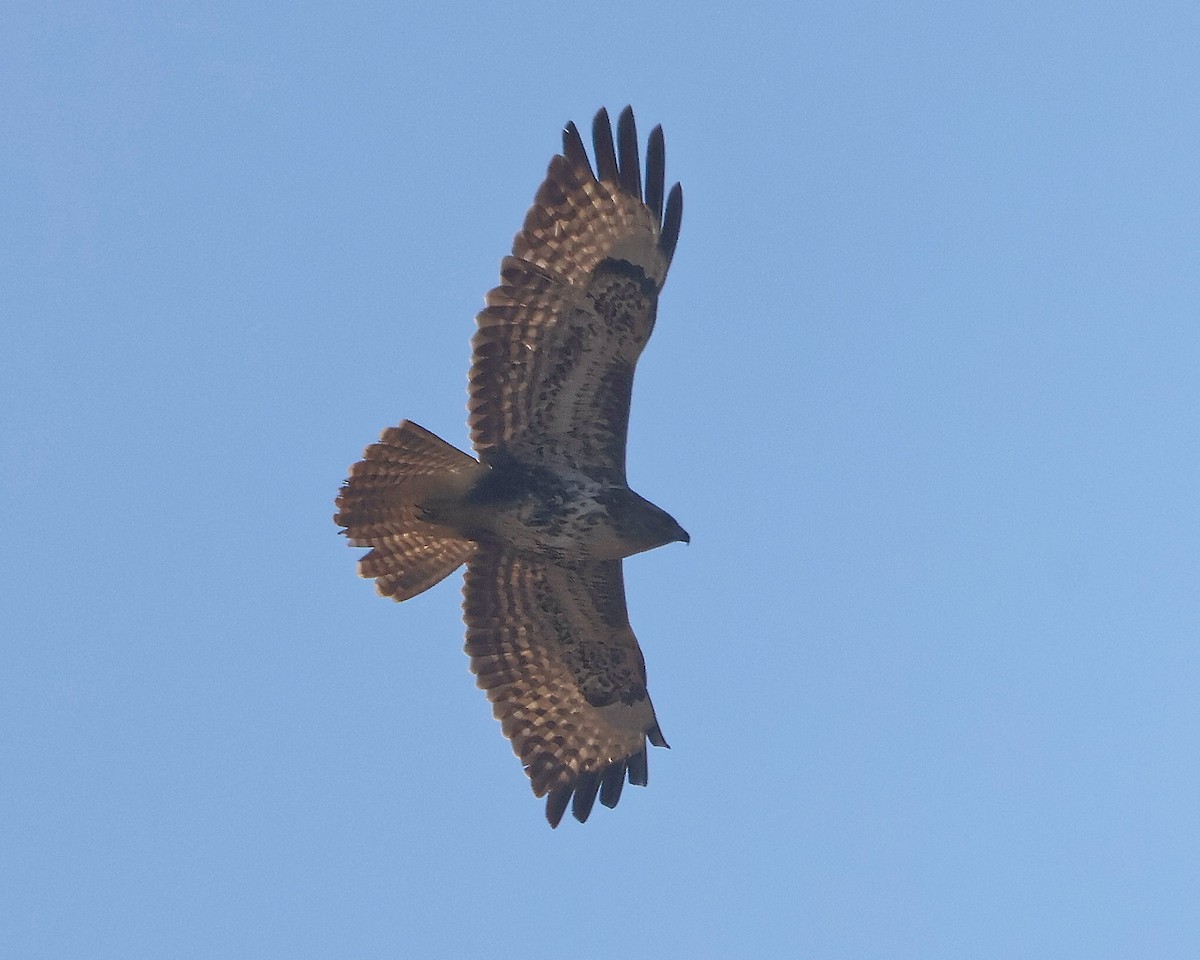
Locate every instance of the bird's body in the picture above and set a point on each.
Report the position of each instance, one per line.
(558, 514)
(545, 516)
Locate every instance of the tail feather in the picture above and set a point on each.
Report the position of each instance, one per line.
(381, 506)
(404, 566)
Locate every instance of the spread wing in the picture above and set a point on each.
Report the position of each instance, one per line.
(556, 345)
(552, 646)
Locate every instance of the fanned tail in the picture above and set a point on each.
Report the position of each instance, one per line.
(382, 505)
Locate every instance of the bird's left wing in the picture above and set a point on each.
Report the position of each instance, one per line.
(552, 646)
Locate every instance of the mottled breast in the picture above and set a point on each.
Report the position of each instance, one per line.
(564, 515)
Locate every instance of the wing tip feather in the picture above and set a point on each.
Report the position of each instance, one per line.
(556, 805)
(574, 150)
(629, 172)
(656, 165)
(585, 788)
(602, 145)
(672, 220)
(580, 793)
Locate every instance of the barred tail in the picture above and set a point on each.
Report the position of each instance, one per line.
(380, 505)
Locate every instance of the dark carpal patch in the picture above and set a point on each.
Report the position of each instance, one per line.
(624, 297)
(605, 672)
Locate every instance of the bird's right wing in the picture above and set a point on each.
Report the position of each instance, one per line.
(556, 346)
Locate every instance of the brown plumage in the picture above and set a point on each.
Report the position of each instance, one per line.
(545, 517)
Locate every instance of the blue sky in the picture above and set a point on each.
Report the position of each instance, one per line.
(923, 390)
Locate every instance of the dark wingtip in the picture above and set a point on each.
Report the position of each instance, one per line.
(602, 142)
(586, 785)
(656, 169)
(639, 770)
(629, 168)
(556, 805)
(620, 164)
(671, 223)
(606, 785)
(574, 150)
(612, 783)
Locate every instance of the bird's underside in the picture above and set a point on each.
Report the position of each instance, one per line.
(545, 517)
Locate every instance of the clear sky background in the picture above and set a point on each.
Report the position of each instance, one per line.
(924, 390)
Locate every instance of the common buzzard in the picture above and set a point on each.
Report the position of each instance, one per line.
(544, 517)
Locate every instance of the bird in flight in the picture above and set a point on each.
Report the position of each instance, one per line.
(545, 516)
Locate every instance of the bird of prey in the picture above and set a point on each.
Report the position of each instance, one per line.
(545, 516)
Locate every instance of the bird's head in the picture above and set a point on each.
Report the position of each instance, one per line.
(643, 526)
